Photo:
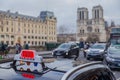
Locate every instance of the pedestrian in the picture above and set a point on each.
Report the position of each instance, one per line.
(3, 49)
(17, 48)
(77, 55)
(87, 45)
(26, 46)
(81, 45)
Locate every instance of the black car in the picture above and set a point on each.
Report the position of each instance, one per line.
(112, 58)
(96, 51)
(66, 50)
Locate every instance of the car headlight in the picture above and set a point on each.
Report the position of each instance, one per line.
(66, 52)
(110, 59)
(52, 53)
(101, 51)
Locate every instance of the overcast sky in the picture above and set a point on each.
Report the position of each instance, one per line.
(64, 10)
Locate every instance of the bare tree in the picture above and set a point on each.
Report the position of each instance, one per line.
(62, 29)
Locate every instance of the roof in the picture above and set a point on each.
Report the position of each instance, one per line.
(16, 15)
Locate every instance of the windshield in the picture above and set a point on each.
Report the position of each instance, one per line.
(67, 46)
(98, 46)
(115, 41)
(114, 50)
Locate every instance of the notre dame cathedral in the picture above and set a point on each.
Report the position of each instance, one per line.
(91, 29)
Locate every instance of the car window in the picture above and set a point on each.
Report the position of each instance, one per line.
(73, 46)
(64, 46)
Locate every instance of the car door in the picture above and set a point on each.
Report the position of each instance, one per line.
(73, 49)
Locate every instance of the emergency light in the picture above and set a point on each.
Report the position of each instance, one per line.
(27, 54)
(32, 62)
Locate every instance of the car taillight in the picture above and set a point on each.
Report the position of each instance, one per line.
(31, 76)
(27, 54)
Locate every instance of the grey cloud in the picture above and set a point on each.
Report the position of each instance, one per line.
(65, 10)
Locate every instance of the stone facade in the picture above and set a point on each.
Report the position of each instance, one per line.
(18, 28)
(91, 28)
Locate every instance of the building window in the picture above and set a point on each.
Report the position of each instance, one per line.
(42, 43)
(32, 43)
(45, 37)
(7, 36)
(1, 22)
(7, 42)
(2, 36)
(24, 37)
(35, 42)
(11, 29)
(7, 29)
(12, 36)
(18, 24)
(89, 29)
(7, 22)
(24, 42)
(2, 29)
(28, 25)
(98, 30)
(35, 37)
(28, 31)
(28, 37)
(12, 43)
(32, 37)
(32, 31)
(83, 31)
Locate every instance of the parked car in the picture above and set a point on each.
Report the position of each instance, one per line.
(66, 50)
(112, 58)
(89, 71)
(96, 51)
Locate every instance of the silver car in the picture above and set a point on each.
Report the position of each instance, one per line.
(96, 51)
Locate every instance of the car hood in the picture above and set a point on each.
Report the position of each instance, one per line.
(95, 50)
(115, 55)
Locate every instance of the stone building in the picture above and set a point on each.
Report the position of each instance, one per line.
(19, 28)
(91, 29)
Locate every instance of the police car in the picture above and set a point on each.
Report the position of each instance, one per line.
(28, 65)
